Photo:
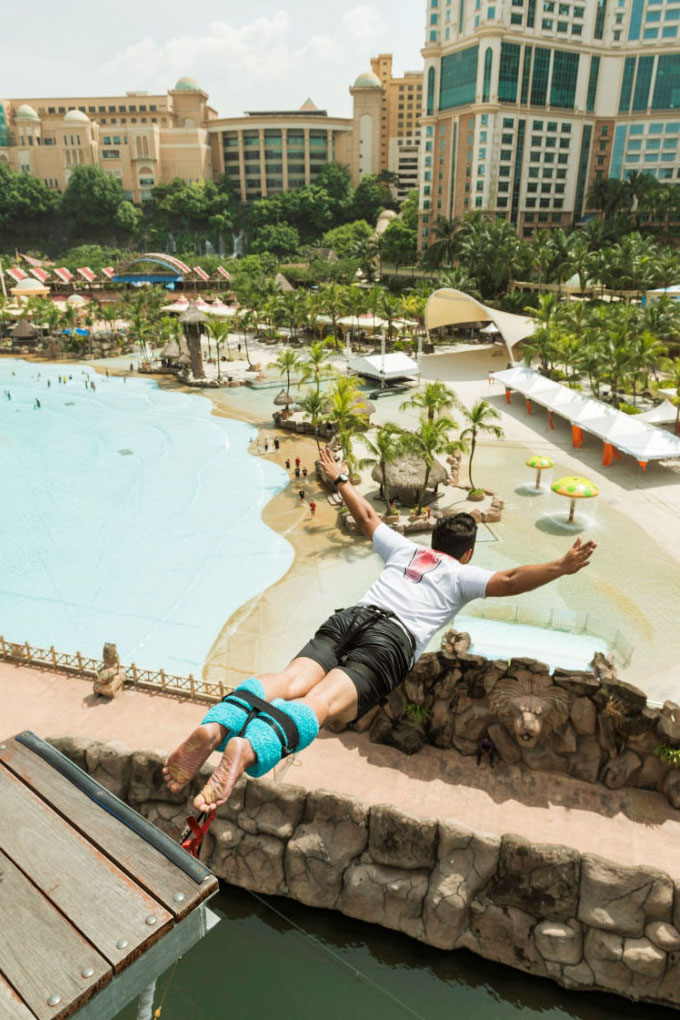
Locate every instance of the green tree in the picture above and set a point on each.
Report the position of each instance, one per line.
(387, 447)
(399, 244)
(314, 409)
(27, 206)
(287, 361)
(433, 400)
(370, 198)
(344, 399)
(278, 238)
(91, 201)
(481, 418)
(314, 364)
(343, 239)
(219, 330)
(432, 437)
(442, 251)
(409, 209)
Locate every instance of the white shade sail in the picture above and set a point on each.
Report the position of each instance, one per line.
(449, 307)
(387, 366)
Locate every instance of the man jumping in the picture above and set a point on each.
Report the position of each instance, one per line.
(358, 655)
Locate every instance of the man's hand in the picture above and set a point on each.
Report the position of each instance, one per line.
(331, 467)
(577, 557)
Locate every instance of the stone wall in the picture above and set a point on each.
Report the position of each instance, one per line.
(587, 724)
(544, 909)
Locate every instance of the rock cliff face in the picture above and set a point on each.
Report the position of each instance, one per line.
(586, 724)
(548, 910)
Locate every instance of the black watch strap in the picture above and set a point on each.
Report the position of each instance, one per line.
(342, 477)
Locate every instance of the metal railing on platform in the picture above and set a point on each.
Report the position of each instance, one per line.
(569, 621)
(76, 664)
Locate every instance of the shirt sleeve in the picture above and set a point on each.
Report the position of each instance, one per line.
(473, 581)
(386, 541)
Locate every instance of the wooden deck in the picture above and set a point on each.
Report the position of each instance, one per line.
(88, 888)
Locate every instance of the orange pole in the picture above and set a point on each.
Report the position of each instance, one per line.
(528, 407)
(617, 454)
(550, 420)
(643, 464)
(508, 396)
(576, 436)
(607, 454)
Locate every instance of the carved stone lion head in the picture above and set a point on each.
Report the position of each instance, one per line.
(110, 655)
(530, 709)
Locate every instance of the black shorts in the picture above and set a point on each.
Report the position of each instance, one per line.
(369, 646)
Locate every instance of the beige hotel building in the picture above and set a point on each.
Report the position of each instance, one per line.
(143, 139)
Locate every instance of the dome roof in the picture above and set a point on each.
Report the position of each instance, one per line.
(76, 300)
(367, 80)
(26, 112)
(29, 284)
(77, 115)
(187, 85)
(388, 214)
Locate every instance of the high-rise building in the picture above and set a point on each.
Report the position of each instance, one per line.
(528, 102)
(387, 123)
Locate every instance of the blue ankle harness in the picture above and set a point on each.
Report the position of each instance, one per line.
(273, 729)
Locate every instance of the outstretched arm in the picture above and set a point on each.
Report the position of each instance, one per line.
(360, 509)
(520, 579)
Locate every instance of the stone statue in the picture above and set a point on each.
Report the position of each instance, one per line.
(530, 708)
(111, 679)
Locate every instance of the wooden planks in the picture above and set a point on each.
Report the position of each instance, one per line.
(101, 902)
(40, 952)
(163, 880)
(11, 1006)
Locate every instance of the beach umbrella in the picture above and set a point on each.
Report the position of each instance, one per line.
(574, 488)
(541, 464)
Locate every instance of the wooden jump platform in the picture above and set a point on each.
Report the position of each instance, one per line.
(95, 902)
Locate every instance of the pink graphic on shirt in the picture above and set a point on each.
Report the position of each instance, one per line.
(423, 561)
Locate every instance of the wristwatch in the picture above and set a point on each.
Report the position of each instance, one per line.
(342, 477)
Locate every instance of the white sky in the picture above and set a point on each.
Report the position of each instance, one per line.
(246, 56)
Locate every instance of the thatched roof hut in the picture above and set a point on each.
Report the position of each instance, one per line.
(283, 399)
(193, 316)
(282, 284)
(24, 331)
(405, 477)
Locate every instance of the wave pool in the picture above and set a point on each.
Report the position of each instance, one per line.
(128, 514)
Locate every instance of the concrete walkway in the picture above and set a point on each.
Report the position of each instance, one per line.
(630, 826)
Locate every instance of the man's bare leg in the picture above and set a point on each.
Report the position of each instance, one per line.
(334, 697)
(296, 680)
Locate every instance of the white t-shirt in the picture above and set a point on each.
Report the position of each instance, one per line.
(423, 587)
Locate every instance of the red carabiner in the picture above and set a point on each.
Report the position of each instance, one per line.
(192, 837)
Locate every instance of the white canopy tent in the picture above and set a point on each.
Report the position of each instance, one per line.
(662, 414)
(385, 366)
(617, 430)
(448, 307)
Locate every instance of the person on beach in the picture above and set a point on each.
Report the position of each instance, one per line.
(312, 508)
(358, 655)
(304, 472)
(297, 462)
(287, 464)
(277, 442)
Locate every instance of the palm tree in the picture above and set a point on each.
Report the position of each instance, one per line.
(389, 443)
(459, 279)
(314, 366)
(287, 361)
(389, 306)
(431, 438)
(344, 399)
(244, 322)
(671, 368)
(443, 250)
(219, 330)
(481, 418)
(314, 408)
(434, 400)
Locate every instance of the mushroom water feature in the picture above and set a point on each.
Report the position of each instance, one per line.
(540, 463)
(575, 488)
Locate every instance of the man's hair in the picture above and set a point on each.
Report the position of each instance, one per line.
(455, 535)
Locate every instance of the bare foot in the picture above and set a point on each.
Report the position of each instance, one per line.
(184, 763)
(237, 757)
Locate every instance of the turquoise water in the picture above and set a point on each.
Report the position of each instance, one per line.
(128, 514)
(273, 958)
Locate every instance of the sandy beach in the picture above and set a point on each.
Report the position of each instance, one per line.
(637, 526)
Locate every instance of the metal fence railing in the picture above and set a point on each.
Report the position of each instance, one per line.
(569, 621)
(82, 665)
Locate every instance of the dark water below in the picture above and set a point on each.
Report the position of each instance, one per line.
(273, 958)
